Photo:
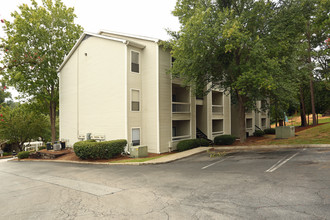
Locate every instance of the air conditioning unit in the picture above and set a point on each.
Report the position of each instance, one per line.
(139, 151)
(81, 136)
(98, 137)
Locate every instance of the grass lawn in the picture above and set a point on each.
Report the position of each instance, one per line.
(315, 135)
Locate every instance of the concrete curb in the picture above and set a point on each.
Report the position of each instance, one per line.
(162, 160)
(260, 147)
(181, 155)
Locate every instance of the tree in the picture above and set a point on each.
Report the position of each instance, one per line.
(228, 43)
(19, 125)
(36, 43)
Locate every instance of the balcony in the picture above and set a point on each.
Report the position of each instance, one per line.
(180, 130)
(217, 127)
(180, 99)
(217, 109)
(180, 107)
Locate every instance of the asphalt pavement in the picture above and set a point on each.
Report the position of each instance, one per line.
(259, 184)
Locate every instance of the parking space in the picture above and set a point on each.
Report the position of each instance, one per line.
(263, 184)
(262, 161)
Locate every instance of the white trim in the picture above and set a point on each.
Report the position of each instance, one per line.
(158, 97)
(130, 62)
(125, 92)
(131, 99)
(130, 35)
(132, 134)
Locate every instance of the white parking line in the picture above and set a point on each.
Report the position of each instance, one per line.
(216, 162)
(281, 162)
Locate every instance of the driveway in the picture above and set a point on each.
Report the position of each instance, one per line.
(280, 184)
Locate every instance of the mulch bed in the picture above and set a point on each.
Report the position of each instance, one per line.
(69, 155)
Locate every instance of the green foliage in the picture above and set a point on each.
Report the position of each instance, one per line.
(203, 142)
(99, 150)
(35, 44)
(20, 125)
(42, 147)
(224, 140)
(7, 154)
(23, 154)
(188, 144)
(258, 133)
(269, 131)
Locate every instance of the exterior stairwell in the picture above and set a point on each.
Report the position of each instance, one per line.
(200, 134)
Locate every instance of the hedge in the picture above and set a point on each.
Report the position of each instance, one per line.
(99, 150)
(187, 144)
(269, 131)
(224, 139)
(258, 133)
(203, 142)
(23, 154)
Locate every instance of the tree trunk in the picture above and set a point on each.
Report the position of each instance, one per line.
(302, 109)
(52, 115)
(311, 78)
(241, 112)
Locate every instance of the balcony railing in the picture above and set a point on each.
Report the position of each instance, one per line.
(217, 132)
(177, 138)
(217, 109)
(180, 107)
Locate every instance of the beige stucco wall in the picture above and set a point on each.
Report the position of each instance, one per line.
(97, 67)
(165, 99)
(68, 101)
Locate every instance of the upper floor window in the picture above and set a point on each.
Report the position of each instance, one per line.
(135, 105)
(135, 62)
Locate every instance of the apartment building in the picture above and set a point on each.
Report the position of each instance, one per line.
(117, 86)
(257, 119)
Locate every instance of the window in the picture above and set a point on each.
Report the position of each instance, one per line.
(249, 123)
(136, 136)
(135, 97)
(263, 122)
(135, 64)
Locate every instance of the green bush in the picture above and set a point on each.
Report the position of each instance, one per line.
(99, 150)
(258, 133)
(23, 154)
(7, 154)
(269, 131)
(203, 142)
(188, 144)
(224, 140)
(42, 147)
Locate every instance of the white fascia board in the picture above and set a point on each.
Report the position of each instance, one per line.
(81, 39)
(130, 35)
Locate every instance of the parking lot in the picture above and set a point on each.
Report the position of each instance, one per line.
(263, 184)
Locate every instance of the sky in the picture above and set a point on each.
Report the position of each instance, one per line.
(139, 17)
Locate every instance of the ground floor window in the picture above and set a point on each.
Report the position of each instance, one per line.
(136, 136)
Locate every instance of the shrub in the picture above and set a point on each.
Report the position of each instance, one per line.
(224, 140)
(23, 154)
(41, 147)
(188, 144)
(99, 150)
(269, 131)
(203, 142)
(258, 133)
(7, 154)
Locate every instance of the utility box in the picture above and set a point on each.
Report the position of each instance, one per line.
(139, 151)
(285, 131)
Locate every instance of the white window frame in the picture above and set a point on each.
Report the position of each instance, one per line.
(130, 67)
(132, 135)
(131, 99)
